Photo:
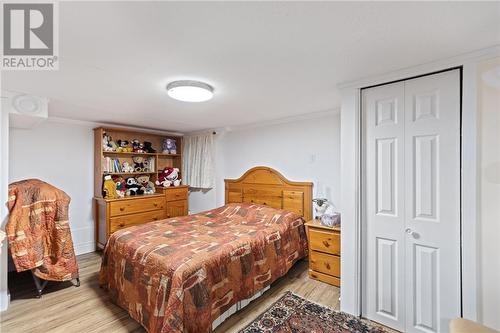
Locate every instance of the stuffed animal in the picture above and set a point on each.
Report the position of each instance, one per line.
(173, 175)
(148, 147)
(133, 188)
(106, 145)
(109, 188)
(149, 186)
(113, 144)
(126, 167)
(137, 146)
(122, 146)
(169, 176)
(169, 146)
(120, 186)
(139, 164)
(162, 177)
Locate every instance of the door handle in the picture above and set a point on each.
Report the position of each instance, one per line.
(412, 233)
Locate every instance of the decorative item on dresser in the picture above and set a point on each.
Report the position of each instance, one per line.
(324, 252)
(136, 155)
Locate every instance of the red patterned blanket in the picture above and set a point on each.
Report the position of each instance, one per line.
(38, 230)
(180, 274)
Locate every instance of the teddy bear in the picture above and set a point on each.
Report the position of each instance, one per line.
(148, 147)
(139, 164)
(149, 186)
(174, 177)
(133, 188)
(120, 186)
(109, 188)
(169, 176)
(169, 146)
(126, 167)
(162, 177)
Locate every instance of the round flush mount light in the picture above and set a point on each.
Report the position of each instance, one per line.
(190, 91)
(26, 104)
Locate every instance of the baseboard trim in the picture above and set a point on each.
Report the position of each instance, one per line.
(83, 248)
(4, 300)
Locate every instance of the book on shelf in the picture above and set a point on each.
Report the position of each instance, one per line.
(113, 165)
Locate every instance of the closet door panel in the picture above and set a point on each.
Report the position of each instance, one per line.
(383, 119)
(432, 191)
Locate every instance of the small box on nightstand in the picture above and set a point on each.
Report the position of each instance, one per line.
(324, 252)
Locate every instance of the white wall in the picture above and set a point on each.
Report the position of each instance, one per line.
(4, 181)
(489, 223)
(305, 149)
(60, 154)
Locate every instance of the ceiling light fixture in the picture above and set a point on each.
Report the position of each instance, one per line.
(190, 91)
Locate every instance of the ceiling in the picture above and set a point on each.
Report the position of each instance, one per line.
(266, 60)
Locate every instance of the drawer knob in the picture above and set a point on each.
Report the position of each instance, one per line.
(155, 204)
(327, 265)
(122, 209)
(325, 243)
(122, 225)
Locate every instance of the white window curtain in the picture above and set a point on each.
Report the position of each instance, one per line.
(198, 161)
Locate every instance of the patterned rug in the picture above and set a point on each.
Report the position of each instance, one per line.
(294, 314)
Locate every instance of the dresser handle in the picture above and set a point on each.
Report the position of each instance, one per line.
(122, 209)
(122, 225)
(327, 266)
(155, 204)
(325, 243)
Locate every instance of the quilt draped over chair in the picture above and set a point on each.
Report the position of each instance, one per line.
(38, 230)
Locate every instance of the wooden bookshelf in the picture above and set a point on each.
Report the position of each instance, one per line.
(161, 160)
(114, 214)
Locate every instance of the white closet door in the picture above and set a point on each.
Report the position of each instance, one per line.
(432, 214)
(411, 214)
(384, 295)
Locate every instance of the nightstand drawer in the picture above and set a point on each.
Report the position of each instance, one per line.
(124, 207)
(324, 263)
(325, 278)
(117, 223)
(324, 241)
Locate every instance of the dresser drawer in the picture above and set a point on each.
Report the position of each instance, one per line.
(124, 207)
(324, 241)
(117, 223)
(174, 194)
(324, 263)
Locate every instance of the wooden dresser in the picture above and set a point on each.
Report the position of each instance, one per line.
(324, 252)
(116, 214)
(176, 200)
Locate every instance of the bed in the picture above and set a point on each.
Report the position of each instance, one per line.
(182, 274)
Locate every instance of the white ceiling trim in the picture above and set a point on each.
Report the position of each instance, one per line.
(284, 120)
(85, 123)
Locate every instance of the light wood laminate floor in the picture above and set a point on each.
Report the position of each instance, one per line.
(68, 309)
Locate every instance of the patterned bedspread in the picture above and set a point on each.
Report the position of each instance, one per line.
(38, 230)
(180, 274)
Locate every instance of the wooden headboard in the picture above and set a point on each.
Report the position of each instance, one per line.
(266, 186)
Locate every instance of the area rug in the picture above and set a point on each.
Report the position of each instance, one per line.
(294, 314)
